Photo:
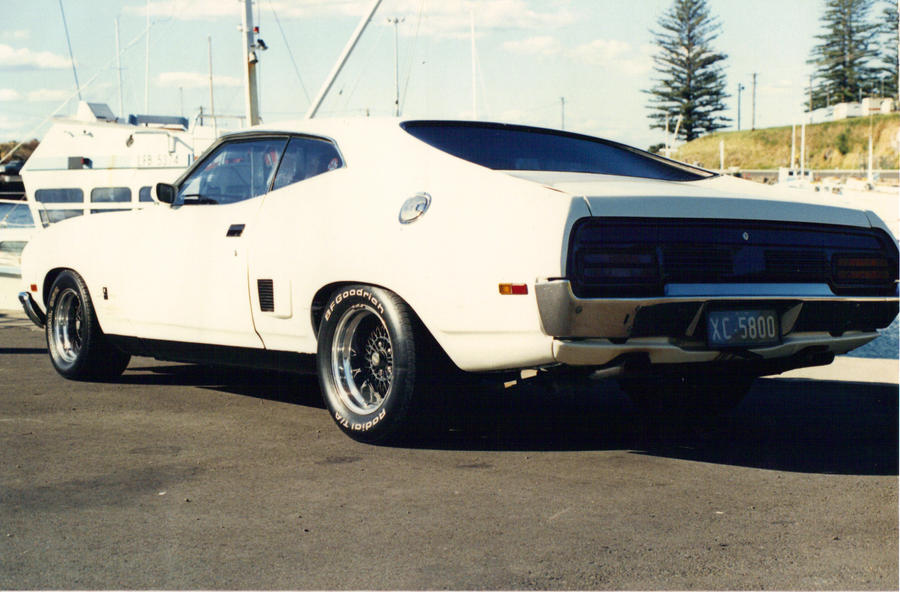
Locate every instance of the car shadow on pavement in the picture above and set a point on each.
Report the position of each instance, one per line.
(19, 351)
(789, 425)
(808, 426)
(272, 385)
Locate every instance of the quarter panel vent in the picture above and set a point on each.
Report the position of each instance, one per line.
(266, 295)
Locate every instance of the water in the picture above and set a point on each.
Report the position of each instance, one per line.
(886, 345)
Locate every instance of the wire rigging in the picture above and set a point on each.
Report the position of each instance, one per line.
(412, 55)
(290, 53)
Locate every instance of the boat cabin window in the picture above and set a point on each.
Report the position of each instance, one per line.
(235, 171)
(144, 195)
(73, 195)
(305, 158)
(111, 194)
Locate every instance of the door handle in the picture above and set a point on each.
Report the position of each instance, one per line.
(235, 230)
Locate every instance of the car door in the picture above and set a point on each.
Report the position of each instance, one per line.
(192, 272)
(285, 249)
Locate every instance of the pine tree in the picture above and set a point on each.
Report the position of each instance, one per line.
(691, 83)
(890, 38)
(844, 56)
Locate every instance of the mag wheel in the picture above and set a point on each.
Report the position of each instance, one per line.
(78, 348)
(368, 365)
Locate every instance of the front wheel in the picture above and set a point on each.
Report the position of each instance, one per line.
(369, 369)
(78, 348)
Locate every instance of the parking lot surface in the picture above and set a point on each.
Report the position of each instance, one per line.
(180, 476)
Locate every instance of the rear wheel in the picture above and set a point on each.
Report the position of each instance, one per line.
(371, 368)
(687, 394)
(78, 348)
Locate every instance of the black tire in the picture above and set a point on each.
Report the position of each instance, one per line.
(695, 395)
(78, 348)
(373, 364)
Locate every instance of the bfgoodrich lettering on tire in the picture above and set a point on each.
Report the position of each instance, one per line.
(78, 348)
(367, 361)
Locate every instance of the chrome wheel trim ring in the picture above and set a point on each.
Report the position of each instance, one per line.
(362, 360)
(67, 328)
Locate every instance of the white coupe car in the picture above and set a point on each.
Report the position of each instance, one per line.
(391, 250)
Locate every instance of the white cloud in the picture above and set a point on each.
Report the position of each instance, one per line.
(18, 35)
(10, 94)
(613, 54)
(26, 59)
(195, 80)
(439, 17)
(47, 95)
(540, 45)
(186, 10)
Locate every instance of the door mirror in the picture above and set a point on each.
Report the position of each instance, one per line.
(165, 193)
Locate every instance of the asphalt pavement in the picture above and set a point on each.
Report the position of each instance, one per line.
(180, 476)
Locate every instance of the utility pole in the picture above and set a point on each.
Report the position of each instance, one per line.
(249, 46)
(396, 22)
(562, 124)
(740, 88)
(753, 109)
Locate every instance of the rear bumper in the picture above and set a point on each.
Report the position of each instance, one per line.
(671, 329)
(32, 310)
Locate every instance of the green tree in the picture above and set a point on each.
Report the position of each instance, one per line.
(890, 38)
(690, 81)
(843, 58)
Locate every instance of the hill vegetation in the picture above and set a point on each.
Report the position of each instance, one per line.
(22, 153)
(832, 145)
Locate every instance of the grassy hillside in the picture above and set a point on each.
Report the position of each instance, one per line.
(832, 145)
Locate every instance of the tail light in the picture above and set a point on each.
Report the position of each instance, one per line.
(627, 269)
(862, 269)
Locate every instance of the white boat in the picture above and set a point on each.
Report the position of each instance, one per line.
(97, 163)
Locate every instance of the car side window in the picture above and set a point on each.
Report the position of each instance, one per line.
(305, 158)
(235, 171)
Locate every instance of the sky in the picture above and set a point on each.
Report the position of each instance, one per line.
(530, 54)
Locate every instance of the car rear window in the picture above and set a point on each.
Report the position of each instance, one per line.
(523, 148)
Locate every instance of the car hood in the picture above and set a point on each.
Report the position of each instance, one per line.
(715, 197)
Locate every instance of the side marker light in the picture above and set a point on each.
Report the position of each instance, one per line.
(513, 289)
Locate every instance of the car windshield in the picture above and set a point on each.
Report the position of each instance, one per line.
(522, 148)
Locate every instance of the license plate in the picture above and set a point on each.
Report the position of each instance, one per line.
(735, 328)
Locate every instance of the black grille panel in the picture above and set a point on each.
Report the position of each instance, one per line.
(266, 290)
(639, 256)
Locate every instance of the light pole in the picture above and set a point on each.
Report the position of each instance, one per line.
(740, 88)
(753, 110)
(396, 22)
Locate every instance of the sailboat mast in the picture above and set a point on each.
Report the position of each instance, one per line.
(69, 44)
(147, 65)
(249, 51)
(472, 41)
(339, 65)
(119, 71)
